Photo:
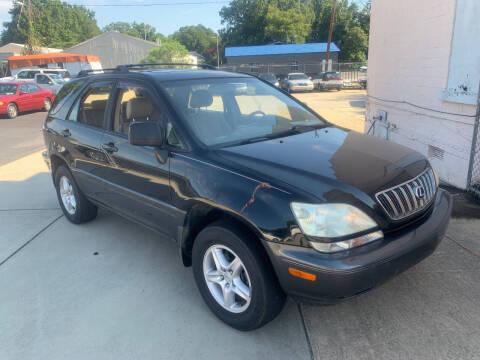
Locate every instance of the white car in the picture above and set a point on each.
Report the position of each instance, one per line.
(29, 74)
(329, 80)
(52, 82)
(297, 82)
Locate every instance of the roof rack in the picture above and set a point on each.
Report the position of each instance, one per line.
(126, 68)
(82, 73)
(146, 65)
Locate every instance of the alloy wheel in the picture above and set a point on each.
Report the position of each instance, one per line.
(227, 278)
(67, 195)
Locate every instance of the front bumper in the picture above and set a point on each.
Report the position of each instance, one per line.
(343, 275)
(46, 159)
(301, 87)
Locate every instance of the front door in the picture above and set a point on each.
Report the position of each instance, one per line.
(25, 100)
(138, 175)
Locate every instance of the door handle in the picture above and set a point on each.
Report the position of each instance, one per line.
(109, 147)
(66, 133)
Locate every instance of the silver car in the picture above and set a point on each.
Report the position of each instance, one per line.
(52, 82)
(297, 82)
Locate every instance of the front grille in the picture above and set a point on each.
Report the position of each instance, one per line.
(406, 199)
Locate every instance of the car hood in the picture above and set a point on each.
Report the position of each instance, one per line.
(329, 163)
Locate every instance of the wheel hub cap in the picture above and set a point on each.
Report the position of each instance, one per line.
(67, 195)
(227, 278)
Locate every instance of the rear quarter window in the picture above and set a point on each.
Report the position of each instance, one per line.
(65, 97)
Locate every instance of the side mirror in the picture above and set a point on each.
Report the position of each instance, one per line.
(50, 82)
(148, 133)
(22, 93)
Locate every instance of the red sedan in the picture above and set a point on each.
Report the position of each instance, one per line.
(21, 96)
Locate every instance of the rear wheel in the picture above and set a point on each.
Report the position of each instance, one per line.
(75, 206)
(236, 283)
(12, 111)
(47, 104)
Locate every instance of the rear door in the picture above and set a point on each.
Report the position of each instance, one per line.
(78, 134)
(138, 176)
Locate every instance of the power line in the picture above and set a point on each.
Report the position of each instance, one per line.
(155, 4)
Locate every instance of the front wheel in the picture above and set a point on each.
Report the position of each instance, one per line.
(12, 111)
(47, 104)
(234, 279)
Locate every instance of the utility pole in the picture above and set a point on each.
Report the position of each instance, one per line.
(218, 55)
(332, 22)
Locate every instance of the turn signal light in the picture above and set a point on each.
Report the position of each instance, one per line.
(302, 274)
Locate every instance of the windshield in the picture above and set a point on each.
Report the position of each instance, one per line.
(234, 110)
(57, 78)
(333, 75)
(297, 77)
(8, 89)
(268, 77)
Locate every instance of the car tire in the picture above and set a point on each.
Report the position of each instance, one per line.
(339, 88)
(75, 206)
(47, 104)
(262, 298)
(12, 111)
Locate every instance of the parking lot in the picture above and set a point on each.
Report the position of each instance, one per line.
(110, 290)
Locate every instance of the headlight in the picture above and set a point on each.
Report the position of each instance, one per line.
(330, 221)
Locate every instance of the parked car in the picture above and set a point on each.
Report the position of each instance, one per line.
(271, 78)
(29, 74)
(264, 197)
(16, 97)
(328, 81)
(297, 82)
(52, 82)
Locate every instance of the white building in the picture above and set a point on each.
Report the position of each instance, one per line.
(423, 80)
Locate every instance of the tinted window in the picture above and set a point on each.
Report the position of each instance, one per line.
(22, 75)
(94, 105)
(297, 77)
(71, 88)
(133, 104)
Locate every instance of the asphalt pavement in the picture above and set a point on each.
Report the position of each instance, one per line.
(20, 136)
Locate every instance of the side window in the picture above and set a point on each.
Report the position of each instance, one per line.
(31, 74)
(71, 88)
(22, 75)
(93, 105)
(133, 104)
(33, 88)
(42, 79)
(172, 138)
(24, 88)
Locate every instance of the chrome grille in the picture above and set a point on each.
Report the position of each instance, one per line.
(406, 199)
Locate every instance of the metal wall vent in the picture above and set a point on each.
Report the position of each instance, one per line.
(435, 152)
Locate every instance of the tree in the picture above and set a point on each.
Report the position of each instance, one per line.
(55, 24)
(287, 25)
(200, 39)
(168, 51)
(355, 45)
(139, 30)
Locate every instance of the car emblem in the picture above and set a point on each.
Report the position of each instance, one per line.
(419, 191)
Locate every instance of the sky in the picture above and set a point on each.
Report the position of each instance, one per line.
(166, 19)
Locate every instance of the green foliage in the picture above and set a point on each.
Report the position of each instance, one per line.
(139, 30)
(55, 24)
(355, 44)
(169, 51)
(253, 22)
(200, 39)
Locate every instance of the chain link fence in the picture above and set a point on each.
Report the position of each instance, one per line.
(354, 72)
(474, 169)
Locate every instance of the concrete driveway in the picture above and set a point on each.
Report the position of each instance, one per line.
(110, 289)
